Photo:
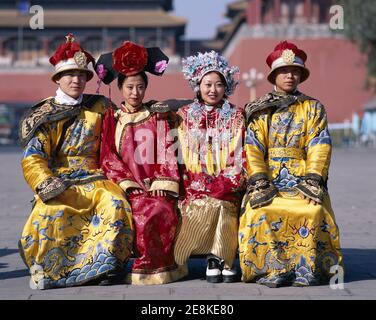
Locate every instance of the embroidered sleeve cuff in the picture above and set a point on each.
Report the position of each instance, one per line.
(128, 184)
(315, 177)
(262, 193)
(165, 185)
(51, 188)
(312, 187)
(253, 179)
(257, 176)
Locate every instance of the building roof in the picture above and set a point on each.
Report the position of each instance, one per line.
(226, 32)
(224, 29)
(95, 18)
(216, 45)
(235, 7)
(63, 4)
(236, 11)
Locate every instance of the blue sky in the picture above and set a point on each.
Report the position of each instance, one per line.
(204, 16)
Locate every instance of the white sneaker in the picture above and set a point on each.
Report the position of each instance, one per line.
(229, 275)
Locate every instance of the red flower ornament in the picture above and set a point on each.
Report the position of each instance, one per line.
(130, 58)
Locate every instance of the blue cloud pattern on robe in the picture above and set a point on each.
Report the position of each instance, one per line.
(285, 180)
(34, 147)
(252, 140)
(322, 138)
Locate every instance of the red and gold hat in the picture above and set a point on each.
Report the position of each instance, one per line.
(70, 56)
(287, 54)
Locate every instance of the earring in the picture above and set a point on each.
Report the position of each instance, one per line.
(226, 104)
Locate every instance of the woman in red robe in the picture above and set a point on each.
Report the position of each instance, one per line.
(138, 154)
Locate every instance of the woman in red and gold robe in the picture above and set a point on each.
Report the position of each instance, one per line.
(137, 154)
(210, 134)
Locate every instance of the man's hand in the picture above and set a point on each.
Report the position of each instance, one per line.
(309, 200)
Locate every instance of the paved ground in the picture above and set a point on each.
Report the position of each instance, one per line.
(353, 191)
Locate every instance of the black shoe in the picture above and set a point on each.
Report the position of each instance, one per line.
(306, 282)
(213, 270)
(277, 281)
(113, 278)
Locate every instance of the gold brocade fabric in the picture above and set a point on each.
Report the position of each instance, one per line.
(289, 236)
(79, 235)
(294, 141)
(207, 146)
(208, 226)
(76, 161)
(84, 232)
(159, 277)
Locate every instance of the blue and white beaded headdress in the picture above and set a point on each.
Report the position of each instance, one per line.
(195, 67)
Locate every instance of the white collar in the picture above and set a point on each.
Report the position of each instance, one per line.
(208, 108)
(62, 98)
(275, 90)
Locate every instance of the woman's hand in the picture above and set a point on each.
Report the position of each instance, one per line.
(159, 193)
(136, 191)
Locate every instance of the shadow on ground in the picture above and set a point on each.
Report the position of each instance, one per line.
(5, 252)
(13, 273)
(360, 265)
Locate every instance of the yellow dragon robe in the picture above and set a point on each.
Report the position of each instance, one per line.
(287, 241)
(80, 227)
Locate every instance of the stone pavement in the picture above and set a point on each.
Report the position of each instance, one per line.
(353, 191)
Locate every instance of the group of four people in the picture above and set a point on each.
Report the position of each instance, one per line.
(208, 179)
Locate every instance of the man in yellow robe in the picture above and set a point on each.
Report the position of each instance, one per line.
(80, 227)
(287, 232)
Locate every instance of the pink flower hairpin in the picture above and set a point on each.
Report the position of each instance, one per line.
(101, 72)
(160, 66)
